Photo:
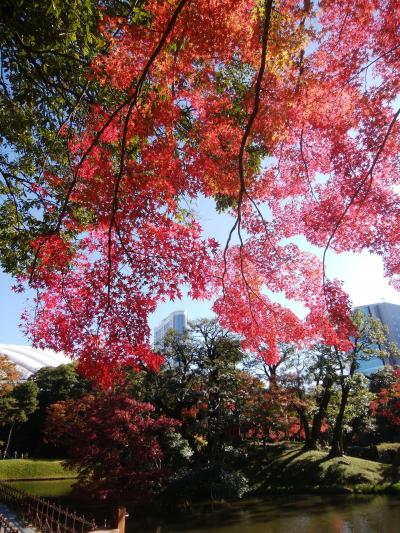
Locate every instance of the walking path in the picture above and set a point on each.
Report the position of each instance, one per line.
(15, 521)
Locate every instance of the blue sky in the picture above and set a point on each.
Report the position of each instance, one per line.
(362, 275)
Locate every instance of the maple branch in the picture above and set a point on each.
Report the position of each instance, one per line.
(36, 257)
(246, 283)
(96, 138)
(306, 10)
(130, 253)
(80, 99)
(257, 98)
(306, 165)
(368, 177)
(342, 27)
(82, 95)
(132, 104)
(388, 52)
(130, 101)
(67, 119)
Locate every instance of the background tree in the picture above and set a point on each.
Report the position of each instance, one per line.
(370, 340)
(172, 387)
(323, 371)
(386, 408)
(199, 382)
(217, 354)
(273, 370)
(289, 381)
(16, 407)
(384, 378)
(9, 375)
(275, 416)
(53, 384)
(358, 423)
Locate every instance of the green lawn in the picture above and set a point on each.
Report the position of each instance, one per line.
(33, 469)
(289, 467)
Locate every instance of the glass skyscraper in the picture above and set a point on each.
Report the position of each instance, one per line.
(177, 321)
(389, 315)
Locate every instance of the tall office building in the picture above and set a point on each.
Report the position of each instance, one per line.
(177, 321)
(389, 315)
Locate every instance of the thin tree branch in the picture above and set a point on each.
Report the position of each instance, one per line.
(130, 101)
(132, 104)
(367, 179)
(268, 5)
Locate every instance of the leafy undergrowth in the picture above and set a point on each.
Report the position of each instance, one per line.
(288, 467)
(14, 469)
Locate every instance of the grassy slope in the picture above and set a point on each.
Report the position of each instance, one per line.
(291, 468)
(388, 446)
(33, 469)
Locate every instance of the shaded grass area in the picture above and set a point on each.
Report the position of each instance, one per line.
(30, 469)
(288, 468)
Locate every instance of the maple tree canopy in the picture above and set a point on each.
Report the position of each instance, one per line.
(284, 112)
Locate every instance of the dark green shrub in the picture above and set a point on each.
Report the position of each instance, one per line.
(215, 482)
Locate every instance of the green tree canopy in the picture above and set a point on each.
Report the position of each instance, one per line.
(46, 48)
(17, 406)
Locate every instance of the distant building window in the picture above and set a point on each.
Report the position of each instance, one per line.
(176, 321)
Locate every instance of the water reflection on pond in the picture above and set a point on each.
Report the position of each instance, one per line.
(290, 514)
(280, 514)
(49, 488)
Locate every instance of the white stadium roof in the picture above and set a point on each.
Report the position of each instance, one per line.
(31, 359)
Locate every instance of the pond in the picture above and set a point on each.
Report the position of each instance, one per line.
(290, 514)
(54, 488)
(273, 514)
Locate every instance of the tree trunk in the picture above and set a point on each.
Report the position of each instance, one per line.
(272, 378)
(8, 441)
(312, 441)
(214, 416)
(304, 422)
(337, 439)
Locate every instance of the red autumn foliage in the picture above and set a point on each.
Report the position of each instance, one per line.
(113, 442)
(285, 110)
(387, 403)
(270, 415)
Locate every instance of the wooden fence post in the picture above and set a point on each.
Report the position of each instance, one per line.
(121, 519)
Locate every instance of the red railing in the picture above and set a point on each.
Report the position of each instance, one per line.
(6, 526)
(42, 514)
